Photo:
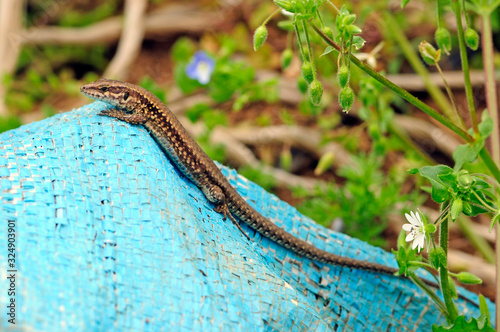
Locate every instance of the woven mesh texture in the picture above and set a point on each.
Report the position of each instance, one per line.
(110, 236)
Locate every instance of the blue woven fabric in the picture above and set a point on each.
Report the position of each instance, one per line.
(110, 236)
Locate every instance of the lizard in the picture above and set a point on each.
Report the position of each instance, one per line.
(138, 106)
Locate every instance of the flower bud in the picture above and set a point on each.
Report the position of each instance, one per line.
(302, 84)
(325, 162)
(469, 278)
(327, 31)
(352, 29)
(456, 208)
(286, 58)
(443, 39)
(346, 98)
(437, 258)
(307, 72)
(259, 37)
(429, 53)
(465, 180)
(430, 228)
(343, 75)
(472, 39)
(315, 92)
(284, 4)
(349, 19)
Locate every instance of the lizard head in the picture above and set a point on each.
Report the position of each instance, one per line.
(117, 93)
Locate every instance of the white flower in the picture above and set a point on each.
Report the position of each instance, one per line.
(416, 229)
(371, 58)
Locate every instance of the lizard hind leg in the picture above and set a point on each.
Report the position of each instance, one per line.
(223, 209)
(215, 195)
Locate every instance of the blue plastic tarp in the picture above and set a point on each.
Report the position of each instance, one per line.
(111, 236)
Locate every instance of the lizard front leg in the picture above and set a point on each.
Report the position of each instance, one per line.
(215, 195)
(134, 118)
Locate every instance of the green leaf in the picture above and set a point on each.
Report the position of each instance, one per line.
(186, 84)
(461, 325)
(483, 306)
(439, 189)
(467, 153)
(327, 50)
(404, 3)
(183, 49)
(358, 42)
(486, 126)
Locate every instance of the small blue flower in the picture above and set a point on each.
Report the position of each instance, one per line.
(201, 67)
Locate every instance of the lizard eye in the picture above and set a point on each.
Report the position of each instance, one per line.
(104, 89)
(125, 95)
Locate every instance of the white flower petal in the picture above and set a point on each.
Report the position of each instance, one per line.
(420, 241)
(410, 237)
(408, 227)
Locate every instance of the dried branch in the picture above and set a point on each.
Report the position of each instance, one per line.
(130, 40)
(10, 45)
(179, 18)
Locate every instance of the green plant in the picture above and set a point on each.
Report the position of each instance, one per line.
(455, 189)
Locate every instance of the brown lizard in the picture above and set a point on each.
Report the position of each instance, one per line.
(138, 106)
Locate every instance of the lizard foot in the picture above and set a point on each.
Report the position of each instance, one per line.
(222, 209)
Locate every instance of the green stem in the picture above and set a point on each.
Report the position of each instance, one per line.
(400, 91)
(491, 91)
(411, 55)
(452, 98)
(431, 294)
(492, 104)
(465, 64)
(485, 156)
(271, 16)
(443, 275)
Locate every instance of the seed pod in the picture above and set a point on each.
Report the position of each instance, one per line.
(443, 39)
(349, 19)
(352, 29)
(315, 92)
(346, 98)
(469, 278)
(429, 53)
(456, 208)
(472, 39)
(302, 84)
(327, 31)
(286, 58)
(259, 37)
(465, 180)
(307, 72)
(285, 4)
(343, 75)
